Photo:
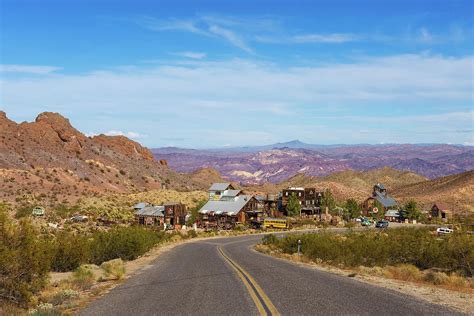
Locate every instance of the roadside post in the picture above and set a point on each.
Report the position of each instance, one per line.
(299, 247)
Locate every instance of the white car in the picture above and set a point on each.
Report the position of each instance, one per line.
(444, 230)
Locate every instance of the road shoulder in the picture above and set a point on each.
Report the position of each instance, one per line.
(460, 301)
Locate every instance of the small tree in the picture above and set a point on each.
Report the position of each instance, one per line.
(328, 200)
(353, 208)
(410, 210)
(293, 207)
(194, 212)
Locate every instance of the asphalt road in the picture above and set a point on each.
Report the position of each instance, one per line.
(227, 277)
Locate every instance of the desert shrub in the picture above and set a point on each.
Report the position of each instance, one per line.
(192, 233)
(83, 277)
(304, 221)
(113, 269)
(405, 272)
(24, 260)
(417, 247)
(63, 296)
(436, 277)
(23, 211)
(350, 224)
(45, 309)
(64, 211)
(126, 243)
(70, 251)
(269, 239)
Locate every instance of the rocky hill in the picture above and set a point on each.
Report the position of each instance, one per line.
(50, 157)
(347, 184)
(456, 191)
(275, 163)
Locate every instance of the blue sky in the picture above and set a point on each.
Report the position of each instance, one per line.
(228, 73)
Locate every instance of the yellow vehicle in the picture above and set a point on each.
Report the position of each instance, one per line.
(275, 223)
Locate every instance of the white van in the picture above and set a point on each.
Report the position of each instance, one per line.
(444, 230)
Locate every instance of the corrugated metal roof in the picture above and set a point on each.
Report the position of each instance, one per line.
(392, 213)
(229, 207)
(140, 205)
(386, 201)
(219, 186)
(231, 192)
(151, 211)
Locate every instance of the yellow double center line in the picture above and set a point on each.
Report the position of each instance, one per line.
(261, 300)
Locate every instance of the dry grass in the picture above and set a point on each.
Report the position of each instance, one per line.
(113, 269)
(403, 272)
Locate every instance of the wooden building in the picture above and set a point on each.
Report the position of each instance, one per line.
(268, 203)
(175, 214)
(392, 216)
(310, 199)
(150, 215)
(441, 211)
(231, 208)
(217, 189)
(380, 195)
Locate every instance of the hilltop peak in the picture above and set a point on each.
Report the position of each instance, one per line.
(52, 118)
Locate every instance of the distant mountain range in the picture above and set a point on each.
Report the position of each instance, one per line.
(277, 162)
(51, 160)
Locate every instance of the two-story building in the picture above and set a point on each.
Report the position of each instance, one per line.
(217, 189)
(379, 194)
(227, 207)
(309, 199)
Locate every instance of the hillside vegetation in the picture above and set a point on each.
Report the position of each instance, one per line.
(50, 157)
(457, 191)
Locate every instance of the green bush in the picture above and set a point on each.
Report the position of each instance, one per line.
(23, 211)
(27, 255)
(24, 260)
(70, 251)
(269, 239)
(418, 247)
(126, 243)
(192, 233)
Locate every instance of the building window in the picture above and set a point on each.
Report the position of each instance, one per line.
(299, 194)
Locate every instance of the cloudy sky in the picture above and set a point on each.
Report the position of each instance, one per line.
(248, 72)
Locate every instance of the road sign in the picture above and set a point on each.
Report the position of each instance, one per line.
(375, 210)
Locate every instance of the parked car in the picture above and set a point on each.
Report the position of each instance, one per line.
(366, 222)
(444, 230)
(382, 224)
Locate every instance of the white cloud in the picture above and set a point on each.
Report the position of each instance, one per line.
(132, 135)
(334, 38)
(170, 25)
(400, 77)
(183, 99)
(192, 55)
(426, 36)
(230, 36)
(325, 38)
(28, 69)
